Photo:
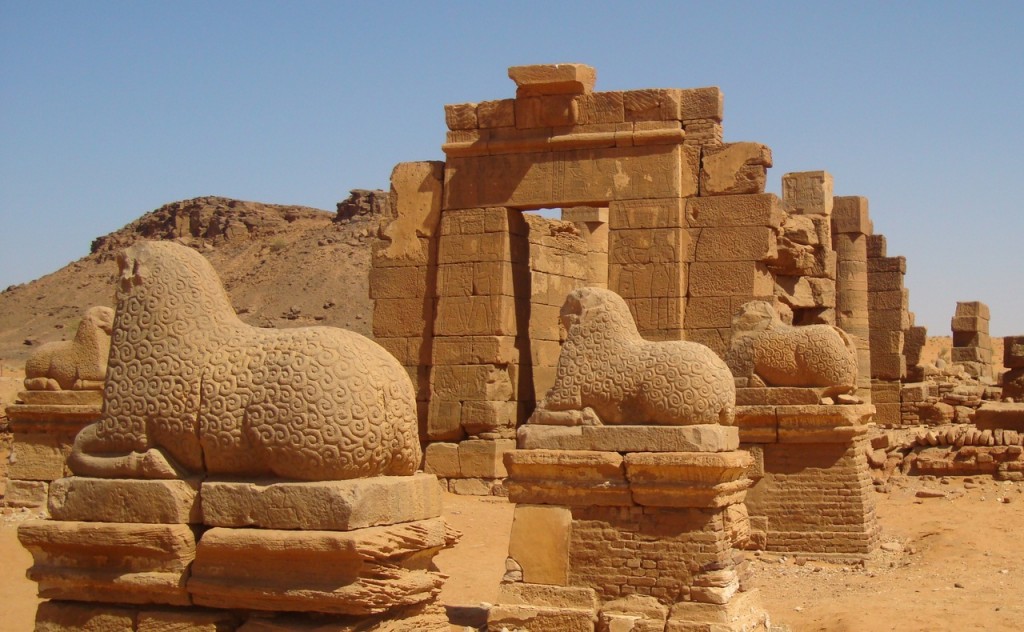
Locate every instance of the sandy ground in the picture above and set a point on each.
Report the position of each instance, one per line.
(950, 563)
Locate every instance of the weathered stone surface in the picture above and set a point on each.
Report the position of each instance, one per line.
(626, 438)
(80, 363)
(734, 169)
(542, 79)
(483, 458)
(539, 619)
(539, 543)
(38, 457)
(226, 398)
(359, 572)
(604, 347)
(125, 500)
(823, 424)
(547, 595)
(807, 193)
(69, 616)
(21, 493)
(687, 479)
(110, 562)
(992, 415)
(324, 506)
(442, 460)
(191, 620)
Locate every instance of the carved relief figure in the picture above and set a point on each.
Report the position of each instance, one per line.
(77, 364)
(607, 373)
(773, 353)
(191, 388)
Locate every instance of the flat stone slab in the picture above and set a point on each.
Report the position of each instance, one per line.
(1004, 415)
(542, 79)
(110, 562)
(125, 500)
(322, 505)
(359, 572)
(630, 438)
(61, 398)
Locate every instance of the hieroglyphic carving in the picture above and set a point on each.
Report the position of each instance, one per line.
(77, 364)
(191, 388)
(778, 354)
(608, 374)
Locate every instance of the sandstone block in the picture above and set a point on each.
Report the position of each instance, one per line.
(971, 354)
(888, 366)
(191, 620)
(729, 278)
(657, 104)
(69, 616)
(398, 282)
(973, 308)
(38, 457)
(701, 103)
(547, 595)
(80, 498)
(477, 221)
(687, 479)
(402, 317)
(539, 542)
(484, 458)
(757, 424)
(539, 619)
(850, 215)
(542, 79)
(460, 116)
(477, 316)
(360, 572)
(444, 420)
(823, 424)
(21, 493)
(110, 562)
(734, 169)
(740, 210)
(539, 179)
(471, 382)
(696, 438)
(659, 318)
(807, 193)
(475, 350)
(1013, 352)
(740, 243)
(887, 264)
(806, 292)
(993, 415)
(850, 246)
(490, 416)
(564, 465)
(646, 214)
(890, 299)
(491, 114)
(972, 339)
(969, 324)
(442, 460)
(322, 505)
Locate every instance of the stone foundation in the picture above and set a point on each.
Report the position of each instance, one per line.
(812, 493)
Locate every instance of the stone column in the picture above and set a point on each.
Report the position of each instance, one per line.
(972, 346)
(850, 227)
(889, 317)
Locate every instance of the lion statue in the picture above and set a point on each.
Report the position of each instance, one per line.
(608, 374)
(79, 364)
(191, 389)
(772, 353)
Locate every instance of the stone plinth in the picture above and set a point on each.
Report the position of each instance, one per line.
(358, 547)
(44, 424)
(812, 493)
(603, 534)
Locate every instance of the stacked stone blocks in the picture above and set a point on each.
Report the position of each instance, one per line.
(972, 346)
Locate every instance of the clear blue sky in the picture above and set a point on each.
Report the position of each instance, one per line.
(111, 109)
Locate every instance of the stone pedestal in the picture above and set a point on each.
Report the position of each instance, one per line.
(361, 547)
(616, 528)
(812, 493)
(44, 424)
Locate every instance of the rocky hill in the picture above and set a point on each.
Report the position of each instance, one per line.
(283, 266)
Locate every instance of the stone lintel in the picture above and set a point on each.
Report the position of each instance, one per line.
(321, 505)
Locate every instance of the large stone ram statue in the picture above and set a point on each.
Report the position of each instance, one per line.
(191, 388)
